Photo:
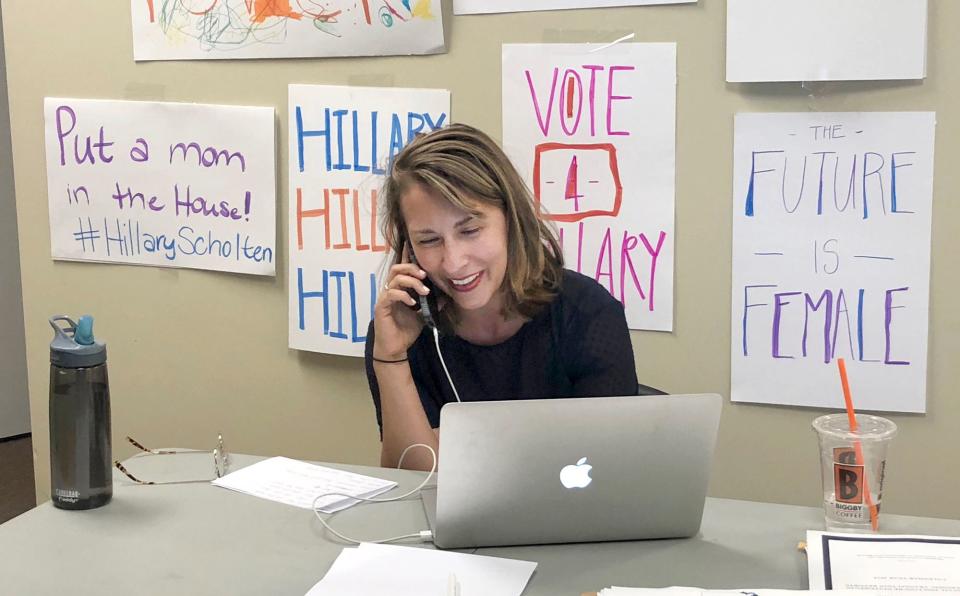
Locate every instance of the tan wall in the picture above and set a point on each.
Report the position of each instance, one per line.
(195, 352)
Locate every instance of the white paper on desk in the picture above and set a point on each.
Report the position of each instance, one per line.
(884, 564)
(298, 483)
(676, 591)
(410, 571)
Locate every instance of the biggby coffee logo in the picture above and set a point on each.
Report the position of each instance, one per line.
(576, 475)
(847, 476)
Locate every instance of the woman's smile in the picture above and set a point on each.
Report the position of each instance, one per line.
(465, 284)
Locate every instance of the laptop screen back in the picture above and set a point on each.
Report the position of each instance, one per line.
(573, 470)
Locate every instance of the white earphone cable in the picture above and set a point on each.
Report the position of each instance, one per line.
(436, 341)
(424, 535)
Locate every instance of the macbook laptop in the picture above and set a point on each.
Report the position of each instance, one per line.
(572, 470)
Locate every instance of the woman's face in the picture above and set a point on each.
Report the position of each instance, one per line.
(465, 255)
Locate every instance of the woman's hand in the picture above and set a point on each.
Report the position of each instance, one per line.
(396, 324)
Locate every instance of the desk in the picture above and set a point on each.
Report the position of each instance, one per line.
(201, 539)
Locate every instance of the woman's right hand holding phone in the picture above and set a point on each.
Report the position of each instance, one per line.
(395, 321)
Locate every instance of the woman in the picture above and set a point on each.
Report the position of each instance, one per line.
(513, 323)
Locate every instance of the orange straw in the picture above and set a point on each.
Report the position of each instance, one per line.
(857, 447)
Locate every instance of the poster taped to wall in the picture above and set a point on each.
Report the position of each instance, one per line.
(341, 142)
(231, 29)
(593, 135)
(163, 184)
(492, 6)
(826, 40)
(831, 258)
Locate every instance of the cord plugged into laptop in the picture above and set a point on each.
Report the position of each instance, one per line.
(422, 535)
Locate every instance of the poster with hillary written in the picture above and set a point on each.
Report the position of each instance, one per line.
(593, 135)
(342, 140)
(831, 258)
(162, 184)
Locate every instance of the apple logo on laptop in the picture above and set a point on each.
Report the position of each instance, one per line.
(576, 475)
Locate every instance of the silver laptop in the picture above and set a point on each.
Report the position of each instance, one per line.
(572, 470)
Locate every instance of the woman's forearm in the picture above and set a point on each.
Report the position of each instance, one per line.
(404, 421)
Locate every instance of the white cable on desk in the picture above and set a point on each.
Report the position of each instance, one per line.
(424, 535)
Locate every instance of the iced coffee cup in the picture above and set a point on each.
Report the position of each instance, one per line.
(852, 468)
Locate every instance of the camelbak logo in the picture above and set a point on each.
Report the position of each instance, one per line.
(69, 496)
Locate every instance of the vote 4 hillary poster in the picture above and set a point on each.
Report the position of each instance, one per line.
(593, 134)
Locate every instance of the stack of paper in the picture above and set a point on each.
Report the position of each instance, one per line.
(298, 483)
(885, 564)
(383, 570)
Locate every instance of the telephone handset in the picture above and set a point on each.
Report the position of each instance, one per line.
(427, 305)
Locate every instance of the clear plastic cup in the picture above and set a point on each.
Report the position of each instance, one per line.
(852, 467)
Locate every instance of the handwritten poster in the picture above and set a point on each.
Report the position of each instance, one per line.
(489, 6)
(224, 29)
(593, 135)
(163, 184)
(826, 40)
(831, 258)
(341, 142)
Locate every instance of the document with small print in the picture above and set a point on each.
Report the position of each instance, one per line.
(298, 483)
(884, 564)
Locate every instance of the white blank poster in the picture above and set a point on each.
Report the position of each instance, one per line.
(826, 40)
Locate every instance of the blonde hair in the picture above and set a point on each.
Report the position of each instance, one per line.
(465, 166)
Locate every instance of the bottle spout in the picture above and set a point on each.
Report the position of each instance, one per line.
(83, 334)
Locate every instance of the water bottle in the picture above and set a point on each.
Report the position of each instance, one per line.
(81, 474)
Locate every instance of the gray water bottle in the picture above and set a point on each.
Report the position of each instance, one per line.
(81, 474)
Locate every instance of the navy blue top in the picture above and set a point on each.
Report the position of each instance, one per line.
(577, 346)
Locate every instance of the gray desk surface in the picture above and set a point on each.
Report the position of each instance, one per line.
(201, 539)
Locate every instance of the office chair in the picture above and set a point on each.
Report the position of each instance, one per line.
(648, 390)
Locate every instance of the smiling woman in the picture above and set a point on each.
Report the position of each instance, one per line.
(511, 322)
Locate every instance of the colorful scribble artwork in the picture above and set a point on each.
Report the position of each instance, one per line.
(224, 29)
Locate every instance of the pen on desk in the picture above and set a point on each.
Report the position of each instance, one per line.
(453, 586)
